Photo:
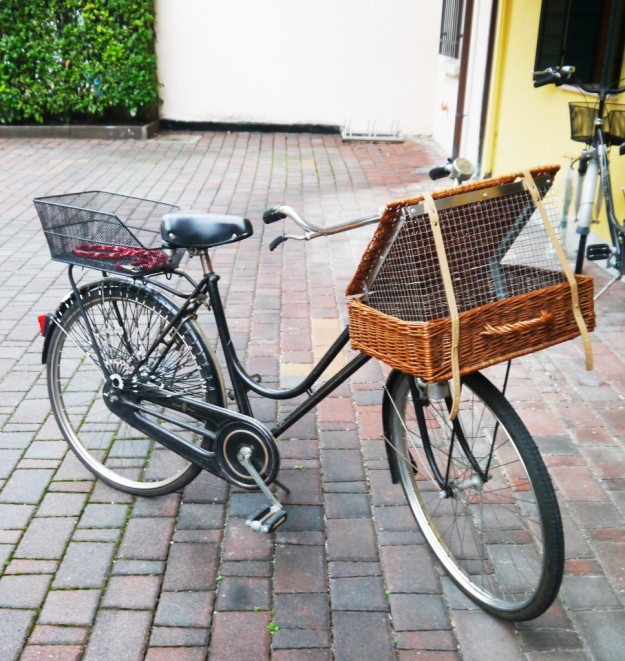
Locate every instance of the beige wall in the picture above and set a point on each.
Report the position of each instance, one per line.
(305, 61)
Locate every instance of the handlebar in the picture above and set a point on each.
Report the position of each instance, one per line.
(459, 169)
(309, 230)
(566, 74)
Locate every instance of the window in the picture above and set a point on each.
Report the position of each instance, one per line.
(451, 25)
(588, 34)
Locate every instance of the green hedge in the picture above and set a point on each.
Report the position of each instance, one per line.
(77, 60)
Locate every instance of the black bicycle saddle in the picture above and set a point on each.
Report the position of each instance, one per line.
(194, 229)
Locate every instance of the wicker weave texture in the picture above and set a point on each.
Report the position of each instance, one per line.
(489, 334)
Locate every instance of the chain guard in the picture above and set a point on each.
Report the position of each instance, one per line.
(231, 439)
(227, 432)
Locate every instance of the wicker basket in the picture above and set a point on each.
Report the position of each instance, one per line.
(107, 231)
(511, 292)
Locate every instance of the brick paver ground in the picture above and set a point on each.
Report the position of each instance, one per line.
(90, 573)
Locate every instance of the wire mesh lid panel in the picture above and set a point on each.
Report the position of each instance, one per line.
(495, 241)
(103, 230)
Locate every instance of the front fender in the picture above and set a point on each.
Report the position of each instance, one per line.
(388, 411)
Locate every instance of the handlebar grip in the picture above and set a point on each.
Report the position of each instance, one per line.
(545, 80)
(272, 215)
(276, 242)
(439, 172)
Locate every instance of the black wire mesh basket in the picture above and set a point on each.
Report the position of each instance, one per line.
(583, 118)
(107, 231)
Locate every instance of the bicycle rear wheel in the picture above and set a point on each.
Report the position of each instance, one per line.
(480, 493)
(126, 319)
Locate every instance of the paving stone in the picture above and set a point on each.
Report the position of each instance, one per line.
(179, 637)
(14, 626)
(119, 635)
(243, 544)
(200, 515)
(179, 653)
(240, 637)
(303, 517)
(239, 593)
(604, 633)
(132, 592)
(300, 639)
(184, 609)
(44, 634)
(362, 593)
(302, 611)
(70, 607)
(588, 592)
(247, 568)
(103, 515)
(85, 565)
(538, 640)
(62, 504)
(347, 505)
(302, 655)
(351, 539)
(495, 641)
(360, 636)
(18, 566)
(15, 516)
(8, 461)
(139, 567)
(300, 569)
(25, 486)
(405, 568)
(351, 569)
(51, 653)
(414, 612)
(26, 591)
(46, 538)
(202, 557)
(147, 539)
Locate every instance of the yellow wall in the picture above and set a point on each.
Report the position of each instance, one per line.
(528, 126)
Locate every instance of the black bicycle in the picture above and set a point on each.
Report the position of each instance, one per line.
(139, 396)
(598, 125)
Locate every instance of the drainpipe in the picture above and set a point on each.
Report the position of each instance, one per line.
(494, 105)
(487, 76)
(462, 79)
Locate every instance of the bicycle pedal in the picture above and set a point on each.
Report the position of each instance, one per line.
(266, 519)
(598, 251)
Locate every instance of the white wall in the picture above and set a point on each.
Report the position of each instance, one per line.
(447, 80)
(300, 61)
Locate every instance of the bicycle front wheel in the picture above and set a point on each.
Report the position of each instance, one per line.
(480, 493)
(127, 319)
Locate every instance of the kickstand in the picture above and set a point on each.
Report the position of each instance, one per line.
(616, 278)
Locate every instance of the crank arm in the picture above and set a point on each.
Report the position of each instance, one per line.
(267, 518)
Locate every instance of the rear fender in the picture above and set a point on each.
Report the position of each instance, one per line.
(49, 323)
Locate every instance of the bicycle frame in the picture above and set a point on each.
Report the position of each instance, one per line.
(593, 165)
(242, 382)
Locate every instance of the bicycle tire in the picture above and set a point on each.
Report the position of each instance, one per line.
(500, 540)
(125, 318)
